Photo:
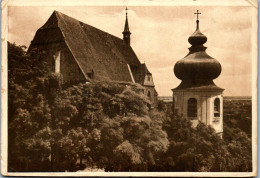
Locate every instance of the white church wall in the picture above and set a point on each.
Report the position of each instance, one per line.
(205, 107)
(216, 122)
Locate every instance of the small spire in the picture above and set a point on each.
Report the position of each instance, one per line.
(126, 32)
(197, 21)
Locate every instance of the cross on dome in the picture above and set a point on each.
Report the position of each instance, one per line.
(197, 13)
(126, 10)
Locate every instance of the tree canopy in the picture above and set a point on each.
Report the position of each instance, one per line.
(106, 125)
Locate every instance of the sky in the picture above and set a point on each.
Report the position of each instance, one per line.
(160, 37)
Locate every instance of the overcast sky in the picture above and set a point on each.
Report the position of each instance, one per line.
(160, 37)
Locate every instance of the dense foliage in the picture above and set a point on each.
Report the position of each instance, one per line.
(104, 125)
(238, 115)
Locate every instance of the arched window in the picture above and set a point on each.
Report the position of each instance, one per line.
(192, 107)
(217, 107)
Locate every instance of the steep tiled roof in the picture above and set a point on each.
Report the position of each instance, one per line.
(92, 48)
(140, 72)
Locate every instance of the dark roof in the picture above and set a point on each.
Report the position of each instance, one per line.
(145, 69)
(140, 72)
(92, 48)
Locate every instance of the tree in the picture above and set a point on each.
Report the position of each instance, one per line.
(201, 149)
(28, 111)
(119, 114)
(132, 143)
(38, 117)
(106, 125)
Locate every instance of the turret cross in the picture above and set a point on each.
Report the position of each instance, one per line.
(197, 14)
(126, 11)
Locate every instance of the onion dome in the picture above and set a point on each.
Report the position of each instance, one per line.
(197, 69)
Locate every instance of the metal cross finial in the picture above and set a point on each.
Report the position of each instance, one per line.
(126, 10)
(197, 14)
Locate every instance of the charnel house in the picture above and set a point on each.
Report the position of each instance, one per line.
(82, 53)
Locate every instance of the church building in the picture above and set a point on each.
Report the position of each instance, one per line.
(83, 53)
(197, 97)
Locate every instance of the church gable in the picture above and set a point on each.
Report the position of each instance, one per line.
(52, 22)
(48, 33)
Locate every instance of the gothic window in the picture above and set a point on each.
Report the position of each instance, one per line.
(57, 62)
(192, 107)
(149, 94)
(148, 78)
(217, 107)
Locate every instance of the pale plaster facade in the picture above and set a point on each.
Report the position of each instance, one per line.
(205, 107)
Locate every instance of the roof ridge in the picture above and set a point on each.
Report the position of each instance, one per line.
(60, 13)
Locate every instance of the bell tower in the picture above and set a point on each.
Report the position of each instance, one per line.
(126, 32)
(197, 97)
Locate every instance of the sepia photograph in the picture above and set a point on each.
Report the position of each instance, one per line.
(145, 88)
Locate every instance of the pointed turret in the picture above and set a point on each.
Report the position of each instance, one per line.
(126, 32)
